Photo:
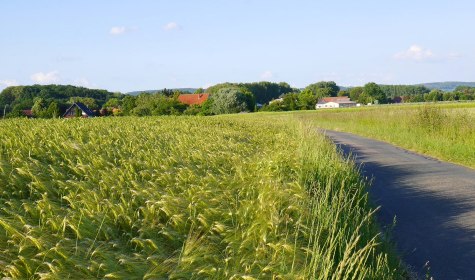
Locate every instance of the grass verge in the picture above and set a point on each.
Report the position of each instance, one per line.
(445, 131)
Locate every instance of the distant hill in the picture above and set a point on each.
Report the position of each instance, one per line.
(447, 86)
(190, 90)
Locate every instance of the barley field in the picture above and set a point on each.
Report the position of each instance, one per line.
(227, 197)
(443, 131)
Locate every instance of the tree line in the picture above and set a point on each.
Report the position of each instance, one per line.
(49, 101)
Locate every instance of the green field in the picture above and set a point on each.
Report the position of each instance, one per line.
(230, 197)
(444, 131)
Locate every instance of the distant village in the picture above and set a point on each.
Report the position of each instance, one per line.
(53, 101)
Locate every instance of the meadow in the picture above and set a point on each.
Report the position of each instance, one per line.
(229, 197)
(443, 131)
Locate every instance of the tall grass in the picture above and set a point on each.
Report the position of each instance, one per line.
(444, 131)
(183, 198)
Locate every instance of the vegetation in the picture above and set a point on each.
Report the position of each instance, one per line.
(263, 91)
(183, 198)
(447, 86)
(18, 98)
(393, 91)
(51, 101)
(232, 100)
(443, 131)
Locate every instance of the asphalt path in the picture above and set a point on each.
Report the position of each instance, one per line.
(433, 202)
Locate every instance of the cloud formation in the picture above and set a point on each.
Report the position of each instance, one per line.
(267, 75)
(8, 83)
(82, 82)
(171, 26)
(117, 30)
(416, 53)
(46, 78)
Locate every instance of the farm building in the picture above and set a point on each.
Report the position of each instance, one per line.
(78, 109)
(193, 99)
(335, 102)
(27, 113)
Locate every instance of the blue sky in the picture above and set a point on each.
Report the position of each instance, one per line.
(138, 45)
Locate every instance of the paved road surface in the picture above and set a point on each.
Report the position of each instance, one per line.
(433, 201)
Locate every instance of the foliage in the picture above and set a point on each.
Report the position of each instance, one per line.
(182, 198)
(289, 102)
(157, 104)
(434, 95)
(323, 89)
(448, 86)
(374, 94)
(231, 100)
(88, 101)
(393, 91)
(354, 94)
(112, 103)
(307, 99)
(263, 91)
(19, 98)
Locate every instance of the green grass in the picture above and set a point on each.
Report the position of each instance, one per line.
(228, 197)
(444, 131)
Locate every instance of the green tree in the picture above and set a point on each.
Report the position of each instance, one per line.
(344, 93)
(363, 98)
(128, 104)
(434, 95)
(376, 94)
(307, 100)
(232, 100)
(53, 110)
(88, 101)
(355, 93)
(38, 107)
(323, 89)
(111, 103)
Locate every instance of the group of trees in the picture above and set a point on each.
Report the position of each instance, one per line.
(460, 93)
(263, 92)
(51, 101)
(309, 96)
(420, 93)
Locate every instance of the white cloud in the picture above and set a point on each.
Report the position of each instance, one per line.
(454, 55)
(171, 26)
(82, 82)
(267, 75)
(416, 53)
(46, 78)
(8, 83)
(207, 85)
(118, 30)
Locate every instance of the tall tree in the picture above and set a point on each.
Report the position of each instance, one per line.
(323, 89)
(53, 110)
(376, 94)
(307, 99)
(355, 93)
(232, 100)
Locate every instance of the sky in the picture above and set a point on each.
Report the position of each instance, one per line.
(140, 45)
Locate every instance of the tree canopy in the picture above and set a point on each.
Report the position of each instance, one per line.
(263, 91)
(230, 100)
(323, 89)
(375, 93)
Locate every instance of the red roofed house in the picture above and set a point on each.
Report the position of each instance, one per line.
(335, 102)
(27, 113)
(193, 99)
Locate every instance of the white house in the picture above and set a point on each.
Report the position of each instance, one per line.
(335, 102)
